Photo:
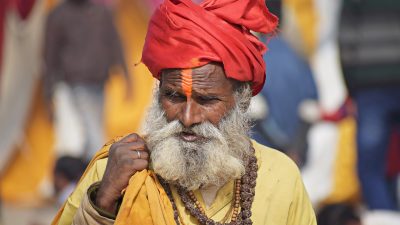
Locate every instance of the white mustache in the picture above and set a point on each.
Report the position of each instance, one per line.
(206, 130)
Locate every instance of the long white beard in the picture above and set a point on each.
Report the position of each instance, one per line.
(217, 158)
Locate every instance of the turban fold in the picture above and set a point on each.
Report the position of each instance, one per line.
(183, 34)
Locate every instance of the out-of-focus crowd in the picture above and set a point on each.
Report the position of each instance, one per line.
(331, 99)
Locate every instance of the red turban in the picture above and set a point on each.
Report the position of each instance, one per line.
(183, 34)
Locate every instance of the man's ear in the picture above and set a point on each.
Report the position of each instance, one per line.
(242, 88)
(246, 105)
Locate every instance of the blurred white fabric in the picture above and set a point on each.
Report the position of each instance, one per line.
(381, 217)
(78, 119)
(70, 137)
(89, 100)
(325, 62)
(318, 171)
(328, 77)
(258, 108)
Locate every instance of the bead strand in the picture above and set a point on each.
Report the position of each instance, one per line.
(245, 197)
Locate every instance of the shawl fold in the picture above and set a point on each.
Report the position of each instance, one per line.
(145, 201)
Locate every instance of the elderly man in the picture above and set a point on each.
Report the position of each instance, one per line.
(195, 163)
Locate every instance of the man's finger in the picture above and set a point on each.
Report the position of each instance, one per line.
(140, 164)
(130, 138)
(141, 154)
(137, 145)
(134, 154)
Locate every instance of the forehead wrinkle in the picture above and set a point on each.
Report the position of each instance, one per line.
(172, 78)
(212, 85)
(206, 77)
(203, 78)
(206, 72)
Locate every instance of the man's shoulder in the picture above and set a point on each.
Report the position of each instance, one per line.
(272, 160)
(279, 190)
(277, 175)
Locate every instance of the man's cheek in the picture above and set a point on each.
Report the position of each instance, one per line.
(166, 105)
(216, 114)
(171, 111)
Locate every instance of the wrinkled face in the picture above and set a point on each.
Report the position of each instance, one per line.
(198, 95)
(197, 127)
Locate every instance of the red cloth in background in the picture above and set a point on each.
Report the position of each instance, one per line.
(393, 168)
(23, 8)
(183, 34)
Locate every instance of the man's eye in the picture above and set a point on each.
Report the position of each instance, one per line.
(207, 100)
(174, 96)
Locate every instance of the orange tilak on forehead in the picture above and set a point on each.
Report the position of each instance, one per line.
(187, 82)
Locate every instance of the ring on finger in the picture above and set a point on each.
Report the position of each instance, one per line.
(139, 154)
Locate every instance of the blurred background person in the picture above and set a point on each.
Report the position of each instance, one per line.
(338, 214)
(67, 172)
(81, 46)
(369, 41)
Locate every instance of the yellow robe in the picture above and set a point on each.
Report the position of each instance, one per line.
(280, 195)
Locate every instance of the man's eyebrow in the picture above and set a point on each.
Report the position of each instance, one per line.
(169, 72)
(167, 89)
(170, 90)
(206, 93)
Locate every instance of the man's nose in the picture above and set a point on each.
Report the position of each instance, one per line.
(191, 114)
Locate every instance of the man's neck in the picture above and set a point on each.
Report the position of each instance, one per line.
(209, 194)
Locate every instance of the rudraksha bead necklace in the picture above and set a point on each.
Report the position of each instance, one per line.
(236, 203)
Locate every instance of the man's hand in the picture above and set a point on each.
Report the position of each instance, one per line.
(126, 157)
